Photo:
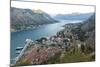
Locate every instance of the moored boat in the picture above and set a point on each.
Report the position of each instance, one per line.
(19, 48)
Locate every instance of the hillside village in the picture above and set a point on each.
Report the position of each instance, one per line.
(72, 44)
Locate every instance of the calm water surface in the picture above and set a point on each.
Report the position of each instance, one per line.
(18, 38)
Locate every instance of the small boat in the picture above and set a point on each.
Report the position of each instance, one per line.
(18, 52)
(19, 48)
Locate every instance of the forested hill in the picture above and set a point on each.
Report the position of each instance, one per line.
(22, 18)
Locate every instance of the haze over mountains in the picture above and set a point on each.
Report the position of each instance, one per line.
(21, 18)
(26, 18)
(73, 16)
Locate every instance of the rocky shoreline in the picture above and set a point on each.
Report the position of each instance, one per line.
(27, 28)
(30, 27)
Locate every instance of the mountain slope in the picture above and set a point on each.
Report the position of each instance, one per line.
(86, 33)
(89, 28)
(21, 18)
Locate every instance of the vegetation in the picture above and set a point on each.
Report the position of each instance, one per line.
(54, 60)
(22, 19)
(23, 62)
(86, 52)
(71, 57)
(73, 46)
(75, 56)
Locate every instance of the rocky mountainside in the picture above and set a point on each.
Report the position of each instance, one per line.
(86, 33)
(89, 28)
(89, 24)
(22, 18)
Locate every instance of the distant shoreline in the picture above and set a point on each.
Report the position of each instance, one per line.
(34, 27)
